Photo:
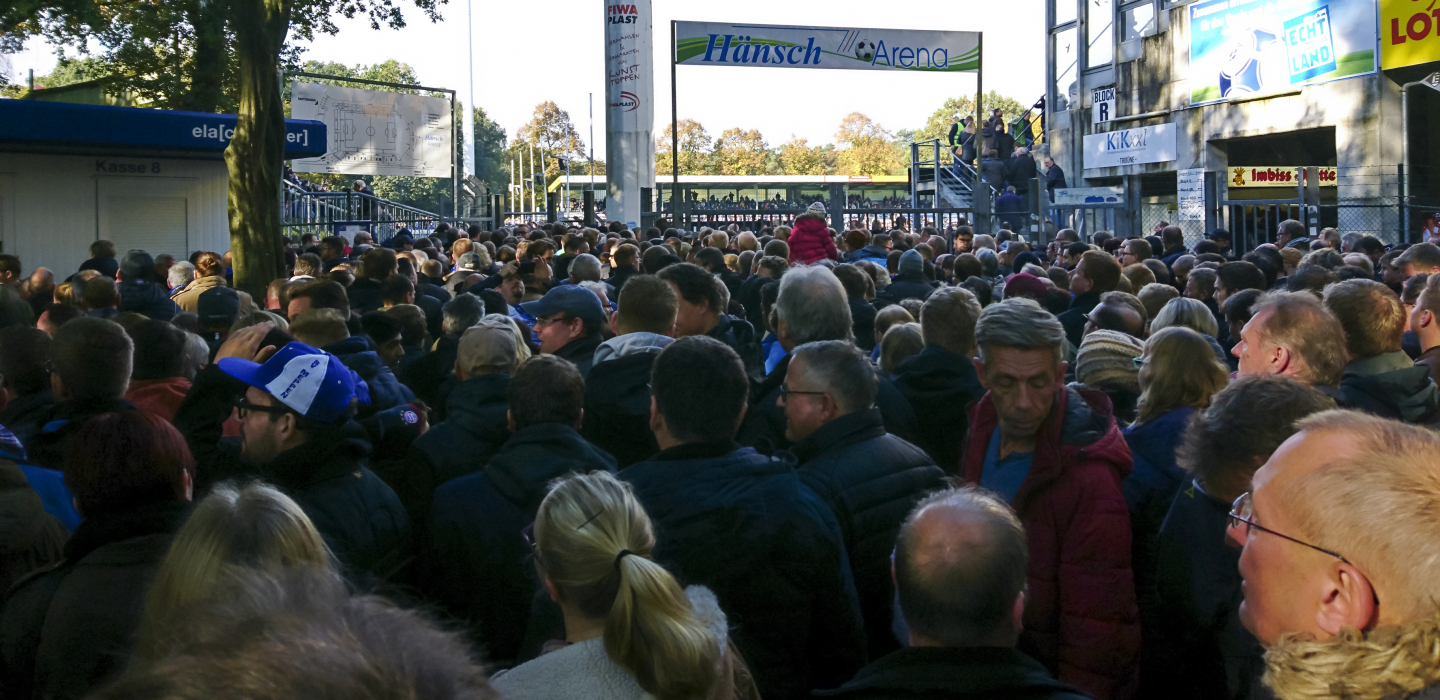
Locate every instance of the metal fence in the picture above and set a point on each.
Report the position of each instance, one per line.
(327, 213)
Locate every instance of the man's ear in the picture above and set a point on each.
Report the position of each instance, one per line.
(1348, 601)
(1427, 318)
(510, 420)
(980, 372)
(657, 421)
(1060, 372)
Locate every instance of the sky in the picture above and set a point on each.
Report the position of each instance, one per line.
(537, 50)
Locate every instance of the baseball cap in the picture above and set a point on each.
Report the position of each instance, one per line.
(217, 306)
(490, 344)
(570, 298)
(310, 382)
(469, 262)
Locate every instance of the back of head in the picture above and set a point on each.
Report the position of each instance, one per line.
(1189, 313)
(253, 526)
(1424, 256)
(412, 322)
(857, 284)
(378, 263)
(1154, 297)
(1301, 324)
(1310, 278)
(648, 304)
(547, 389)
(396, 289)
(948, 319)
(23, 351)
(1225, 443)
(159, 350)
(778, 248)
(1370, 313)
(488, 347)
(700, 388)
(93, 358)
(838, 367)
(1102, 270)
(319, 328)
(460, 313)
(585, 268)
(209, 264)
(1121, 311)
(813, 306)
(696, 286)
(322, 294)
(102, 249)
(899, 343)
(1019, 324)
(960, 566)
(99, 293)
(1172, 236)
(1180, 370)
(1239, 309)
(1334, 505)
(124, 460)
(594, 541)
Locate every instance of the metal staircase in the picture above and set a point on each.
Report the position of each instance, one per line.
(937, 174)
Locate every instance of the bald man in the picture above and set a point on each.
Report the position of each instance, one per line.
(959, 569)
(1341, 559)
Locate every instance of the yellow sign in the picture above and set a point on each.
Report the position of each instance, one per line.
(1409, 33)
(1275, 177)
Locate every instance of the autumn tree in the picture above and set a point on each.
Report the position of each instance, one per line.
(866, 148)
(799, 158)
(740, 152)
(696, 149)
(549, 129)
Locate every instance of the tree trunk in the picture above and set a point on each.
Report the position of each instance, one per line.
(255, 152)
(207, 82)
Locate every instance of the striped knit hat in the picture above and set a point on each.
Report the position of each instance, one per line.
(1108, 357)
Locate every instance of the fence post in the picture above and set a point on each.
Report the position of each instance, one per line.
(1403, 204)
(588, 197)
(1212, 203)
(551, 211)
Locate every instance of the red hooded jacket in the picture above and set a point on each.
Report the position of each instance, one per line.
(810, 241)
(1081, 617)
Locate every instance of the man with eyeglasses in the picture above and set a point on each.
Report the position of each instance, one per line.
(568, 320)
(295, 407)
(1341, 560)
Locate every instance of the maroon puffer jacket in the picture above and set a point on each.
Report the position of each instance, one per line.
(1081, 618)
(810, 241)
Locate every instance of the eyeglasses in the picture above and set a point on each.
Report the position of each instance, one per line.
(1244, 511)
(787, 391)
(244, 406)
(541, 322)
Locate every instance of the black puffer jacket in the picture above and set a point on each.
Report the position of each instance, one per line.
(581, 352)
(941, 386)
(360, 517)
(430, 376)
(148, 299)
(478, 565)
(1390, 386)
(906, 285)
(617, 408)
(764, 426)
(740, 336)
(947, 673)
(69, 628)
(870, 480)
(476, 426)
(862, 323)
(742, 525)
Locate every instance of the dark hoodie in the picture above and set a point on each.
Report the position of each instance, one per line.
(478, 564)
(945, 673)
(386, 391)
(1391, 386)
(862, 323)
(941, 386)
(740, 336)
(476, 425)
(140, 289)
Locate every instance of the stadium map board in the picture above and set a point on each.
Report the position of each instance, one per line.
(376, 133)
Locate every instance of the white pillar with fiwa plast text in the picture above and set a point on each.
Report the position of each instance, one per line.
(629, 108)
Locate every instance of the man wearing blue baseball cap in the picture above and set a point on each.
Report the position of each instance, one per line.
(568, 320)
(295, 407)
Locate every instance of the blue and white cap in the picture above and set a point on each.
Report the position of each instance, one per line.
(311, 382)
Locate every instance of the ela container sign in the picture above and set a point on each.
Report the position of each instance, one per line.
(845, 48)
(1241, 48)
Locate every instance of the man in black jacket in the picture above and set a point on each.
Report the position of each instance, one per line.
(476, 421)
(296, 432)
(811, 306)
(90, 363)
(68, 628)
(428, 375)
(568, 320)
(702, 300)
(375, 265)
(940, 381)
(1021, 170)
(742, 524)
(960, 573)
(1380, 378)
(617, 392)
(870, 479)
(478, 563)
(1095, 274)
(910, 283)
(768, 270)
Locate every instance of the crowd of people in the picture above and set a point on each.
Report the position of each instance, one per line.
(556, 462)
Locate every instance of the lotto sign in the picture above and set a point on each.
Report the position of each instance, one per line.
(1242, 48)
(1409, 33)
(1102, 105)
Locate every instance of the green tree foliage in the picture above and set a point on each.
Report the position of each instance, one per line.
(938, 125)
(696, 149)
(550, 130)
(800, 158)
(741, 152)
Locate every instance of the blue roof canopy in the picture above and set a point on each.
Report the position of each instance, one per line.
(59, 124)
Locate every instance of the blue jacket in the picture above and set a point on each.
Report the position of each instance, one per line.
(385, 390)
(148, 299)
(478, 565)
(742, 525)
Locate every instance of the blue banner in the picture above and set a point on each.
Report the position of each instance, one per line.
(1241, 48)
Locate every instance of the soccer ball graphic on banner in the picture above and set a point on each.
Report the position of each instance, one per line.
(865, 51)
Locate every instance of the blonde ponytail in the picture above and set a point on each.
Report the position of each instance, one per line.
(594, 542)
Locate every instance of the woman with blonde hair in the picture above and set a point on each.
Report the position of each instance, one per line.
(1192, 314)
(254, 526)
(631, 631)
(1178, 376)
